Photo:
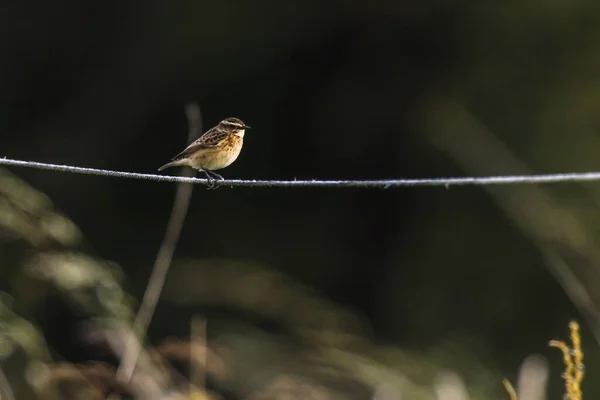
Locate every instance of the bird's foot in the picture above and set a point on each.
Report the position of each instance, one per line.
(212, 184)
(213, 179)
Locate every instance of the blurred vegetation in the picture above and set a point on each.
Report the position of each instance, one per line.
(329, 293)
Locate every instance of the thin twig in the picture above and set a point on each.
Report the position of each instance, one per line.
(163, 258)
(379, 183)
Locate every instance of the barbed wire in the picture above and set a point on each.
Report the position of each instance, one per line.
(380, 183)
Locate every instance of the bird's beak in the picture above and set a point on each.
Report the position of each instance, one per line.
(247, 127)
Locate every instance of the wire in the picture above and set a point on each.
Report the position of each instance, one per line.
(382, 183)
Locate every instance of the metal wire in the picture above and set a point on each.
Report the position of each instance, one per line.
(382, 183)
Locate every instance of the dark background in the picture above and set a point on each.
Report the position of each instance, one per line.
(333, 90)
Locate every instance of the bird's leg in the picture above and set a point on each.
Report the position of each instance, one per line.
(215, 175)
(212, 179)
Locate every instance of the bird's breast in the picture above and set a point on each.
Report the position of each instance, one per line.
(227, 153)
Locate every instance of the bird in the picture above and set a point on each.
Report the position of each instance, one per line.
(216, 149)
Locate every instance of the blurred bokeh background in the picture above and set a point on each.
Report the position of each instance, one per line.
(334, 293)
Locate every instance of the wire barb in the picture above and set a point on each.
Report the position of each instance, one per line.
(381, 183)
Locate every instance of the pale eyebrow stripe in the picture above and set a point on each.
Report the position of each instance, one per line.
(233, 124)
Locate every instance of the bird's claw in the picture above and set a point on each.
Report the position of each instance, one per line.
(213, 178)
(212, 185)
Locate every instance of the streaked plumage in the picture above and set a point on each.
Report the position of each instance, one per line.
(216, 149)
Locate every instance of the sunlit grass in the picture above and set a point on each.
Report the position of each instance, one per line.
(574, 368)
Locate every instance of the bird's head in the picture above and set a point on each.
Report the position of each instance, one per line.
(234, 125)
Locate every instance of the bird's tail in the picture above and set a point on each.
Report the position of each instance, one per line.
(174, 163)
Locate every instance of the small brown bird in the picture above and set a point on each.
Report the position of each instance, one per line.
(216, 149)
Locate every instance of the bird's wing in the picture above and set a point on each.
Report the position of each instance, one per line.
(212, 138)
